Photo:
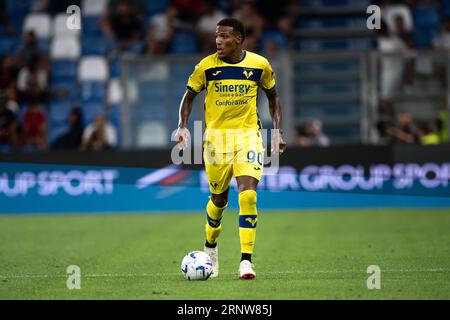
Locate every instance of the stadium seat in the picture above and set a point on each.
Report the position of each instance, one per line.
(154, 7)
(114, 92)
(93, 7)
(97, 45)
(92, 92)
(59, 111)
(40, 23)
(60, 28)
(55, 132)
(427, 24)
(332, 22)
(64, 70)
(152, 134)
(17, 9)
(5, 148)
(446, 8)
(65, 47)
(277, 37)
(184, 43)
(336, 44)
(64, 80)
(114, 114)
(114, 68)
(91, 26)
(114, 118)
(8, 45)
(91, 110)
(93, 68)
(317, 4)
(152, 95)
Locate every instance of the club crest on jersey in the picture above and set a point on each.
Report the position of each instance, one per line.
(247, 73)
(214, 185)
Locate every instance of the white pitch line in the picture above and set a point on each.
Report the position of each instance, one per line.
(129, 275)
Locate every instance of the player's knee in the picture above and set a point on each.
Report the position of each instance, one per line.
(247, 202)
(219, 200)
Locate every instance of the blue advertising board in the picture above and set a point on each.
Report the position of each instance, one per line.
(48, 188)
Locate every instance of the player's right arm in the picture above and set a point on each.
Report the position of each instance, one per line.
(196, 83)
(182, 135)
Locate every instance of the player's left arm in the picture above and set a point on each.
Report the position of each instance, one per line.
(278, 143)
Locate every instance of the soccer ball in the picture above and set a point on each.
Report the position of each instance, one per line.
(196, 265)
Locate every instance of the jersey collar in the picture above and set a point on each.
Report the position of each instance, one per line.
(242, 59)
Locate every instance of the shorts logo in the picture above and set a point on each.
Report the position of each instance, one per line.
(214, 185)
(252, 221)
(247, 73)
(216, 73)
(256, 168)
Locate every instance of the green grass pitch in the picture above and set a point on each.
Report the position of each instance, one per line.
(298, 255)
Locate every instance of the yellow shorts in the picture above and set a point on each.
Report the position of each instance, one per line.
(247, 159)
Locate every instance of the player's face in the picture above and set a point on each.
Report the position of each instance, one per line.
(227, 41)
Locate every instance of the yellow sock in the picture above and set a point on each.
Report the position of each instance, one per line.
(213, 216)
(248, 216)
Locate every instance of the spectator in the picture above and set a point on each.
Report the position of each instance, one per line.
(8, 72)
(29, 51)
(53, 7)
(407, 37)
(72, 138)
(383, 138)
(254, 24)
(35, 126)
(427, 134)
(207, 26)
(4, 20)
(312, 135)
(160, 31)
(8, 126)
(32, 82)
(391, 48)
(287, 23)
(99, 135)
(190, 10)
(405, 132)
(124, 22)
(442, 125)
(273, 41)
(391, 12)
(10, 95)
(441, 44)
(442, 41)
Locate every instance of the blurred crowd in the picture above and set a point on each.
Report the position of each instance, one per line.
(184, 26)
(188, 27)
(406, 26)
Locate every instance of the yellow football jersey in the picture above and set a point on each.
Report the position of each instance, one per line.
(231, 90)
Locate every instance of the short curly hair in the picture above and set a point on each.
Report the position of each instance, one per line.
(235, 24)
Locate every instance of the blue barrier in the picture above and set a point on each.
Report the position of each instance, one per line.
(44, 188)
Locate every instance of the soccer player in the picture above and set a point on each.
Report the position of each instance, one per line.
(233, 144)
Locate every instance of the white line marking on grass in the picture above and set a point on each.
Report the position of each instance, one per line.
(149, 275)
